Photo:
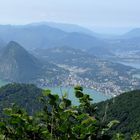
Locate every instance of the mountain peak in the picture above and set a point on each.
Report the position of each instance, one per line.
(13, 44)
(14, 49)
(16, 64)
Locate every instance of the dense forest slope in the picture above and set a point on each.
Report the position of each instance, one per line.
(126, 109)
(24, 95)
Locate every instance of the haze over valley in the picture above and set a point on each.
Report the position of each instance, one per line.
(54, 54)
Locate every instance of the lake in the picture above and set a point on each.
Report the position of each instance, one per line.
(2, 83)
(96, 96)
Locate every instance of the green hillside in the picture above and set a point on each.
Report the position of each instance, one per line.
(24, 95)
(126, 109)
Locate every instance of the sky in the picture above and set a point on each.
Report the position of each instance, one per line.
(102, 14)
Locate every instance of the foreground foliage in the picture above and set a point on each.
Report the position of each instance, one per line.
(126, 109)
(59, 120)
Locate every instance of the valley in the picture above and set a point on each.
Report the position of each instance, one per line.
(55, 56)
(108, 77)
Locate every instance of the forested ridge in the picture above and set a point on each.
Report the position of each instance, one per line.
(126, 109)
(24, 95)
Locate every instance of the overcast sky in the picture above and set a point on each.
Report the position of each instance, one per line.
(92, 13)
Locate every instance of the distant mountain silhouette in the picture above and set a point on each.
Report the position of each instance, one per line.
(44, 36)
(68, 27)
(16, 64)
(2, 43)
(134, 33)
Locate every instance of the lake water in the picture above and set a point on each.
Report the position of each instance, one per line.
(96, 96)
(2, 83)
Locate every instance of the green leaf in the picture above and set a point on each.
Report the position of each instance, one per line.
(62, 105)
(112, 123)
(65, 95)
(67, 102)
(8, 111)
(79, 94)
(46, 92)
(89, 120)
(2, 137)
(78, 88)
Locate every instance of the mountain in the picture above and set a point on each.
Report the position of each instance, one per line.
(134, 33)
(90, 71)
(125, 46)
(16, 64)
(31, 36)
(66, 66)
(83, 41)
(68, 27)
(2, 43)
(62, 55)
(131, 40)
(44, 36)
(23, 95)
(124, 108)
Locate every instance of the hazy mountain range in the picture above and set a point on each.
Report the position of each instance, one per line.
(65, 66)
(67, 27)
(44, 36)
(49, 34)
(18, 65)
(56, 55)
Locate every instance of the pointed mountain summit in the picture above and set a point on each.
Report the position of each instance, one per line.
(17, 65)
